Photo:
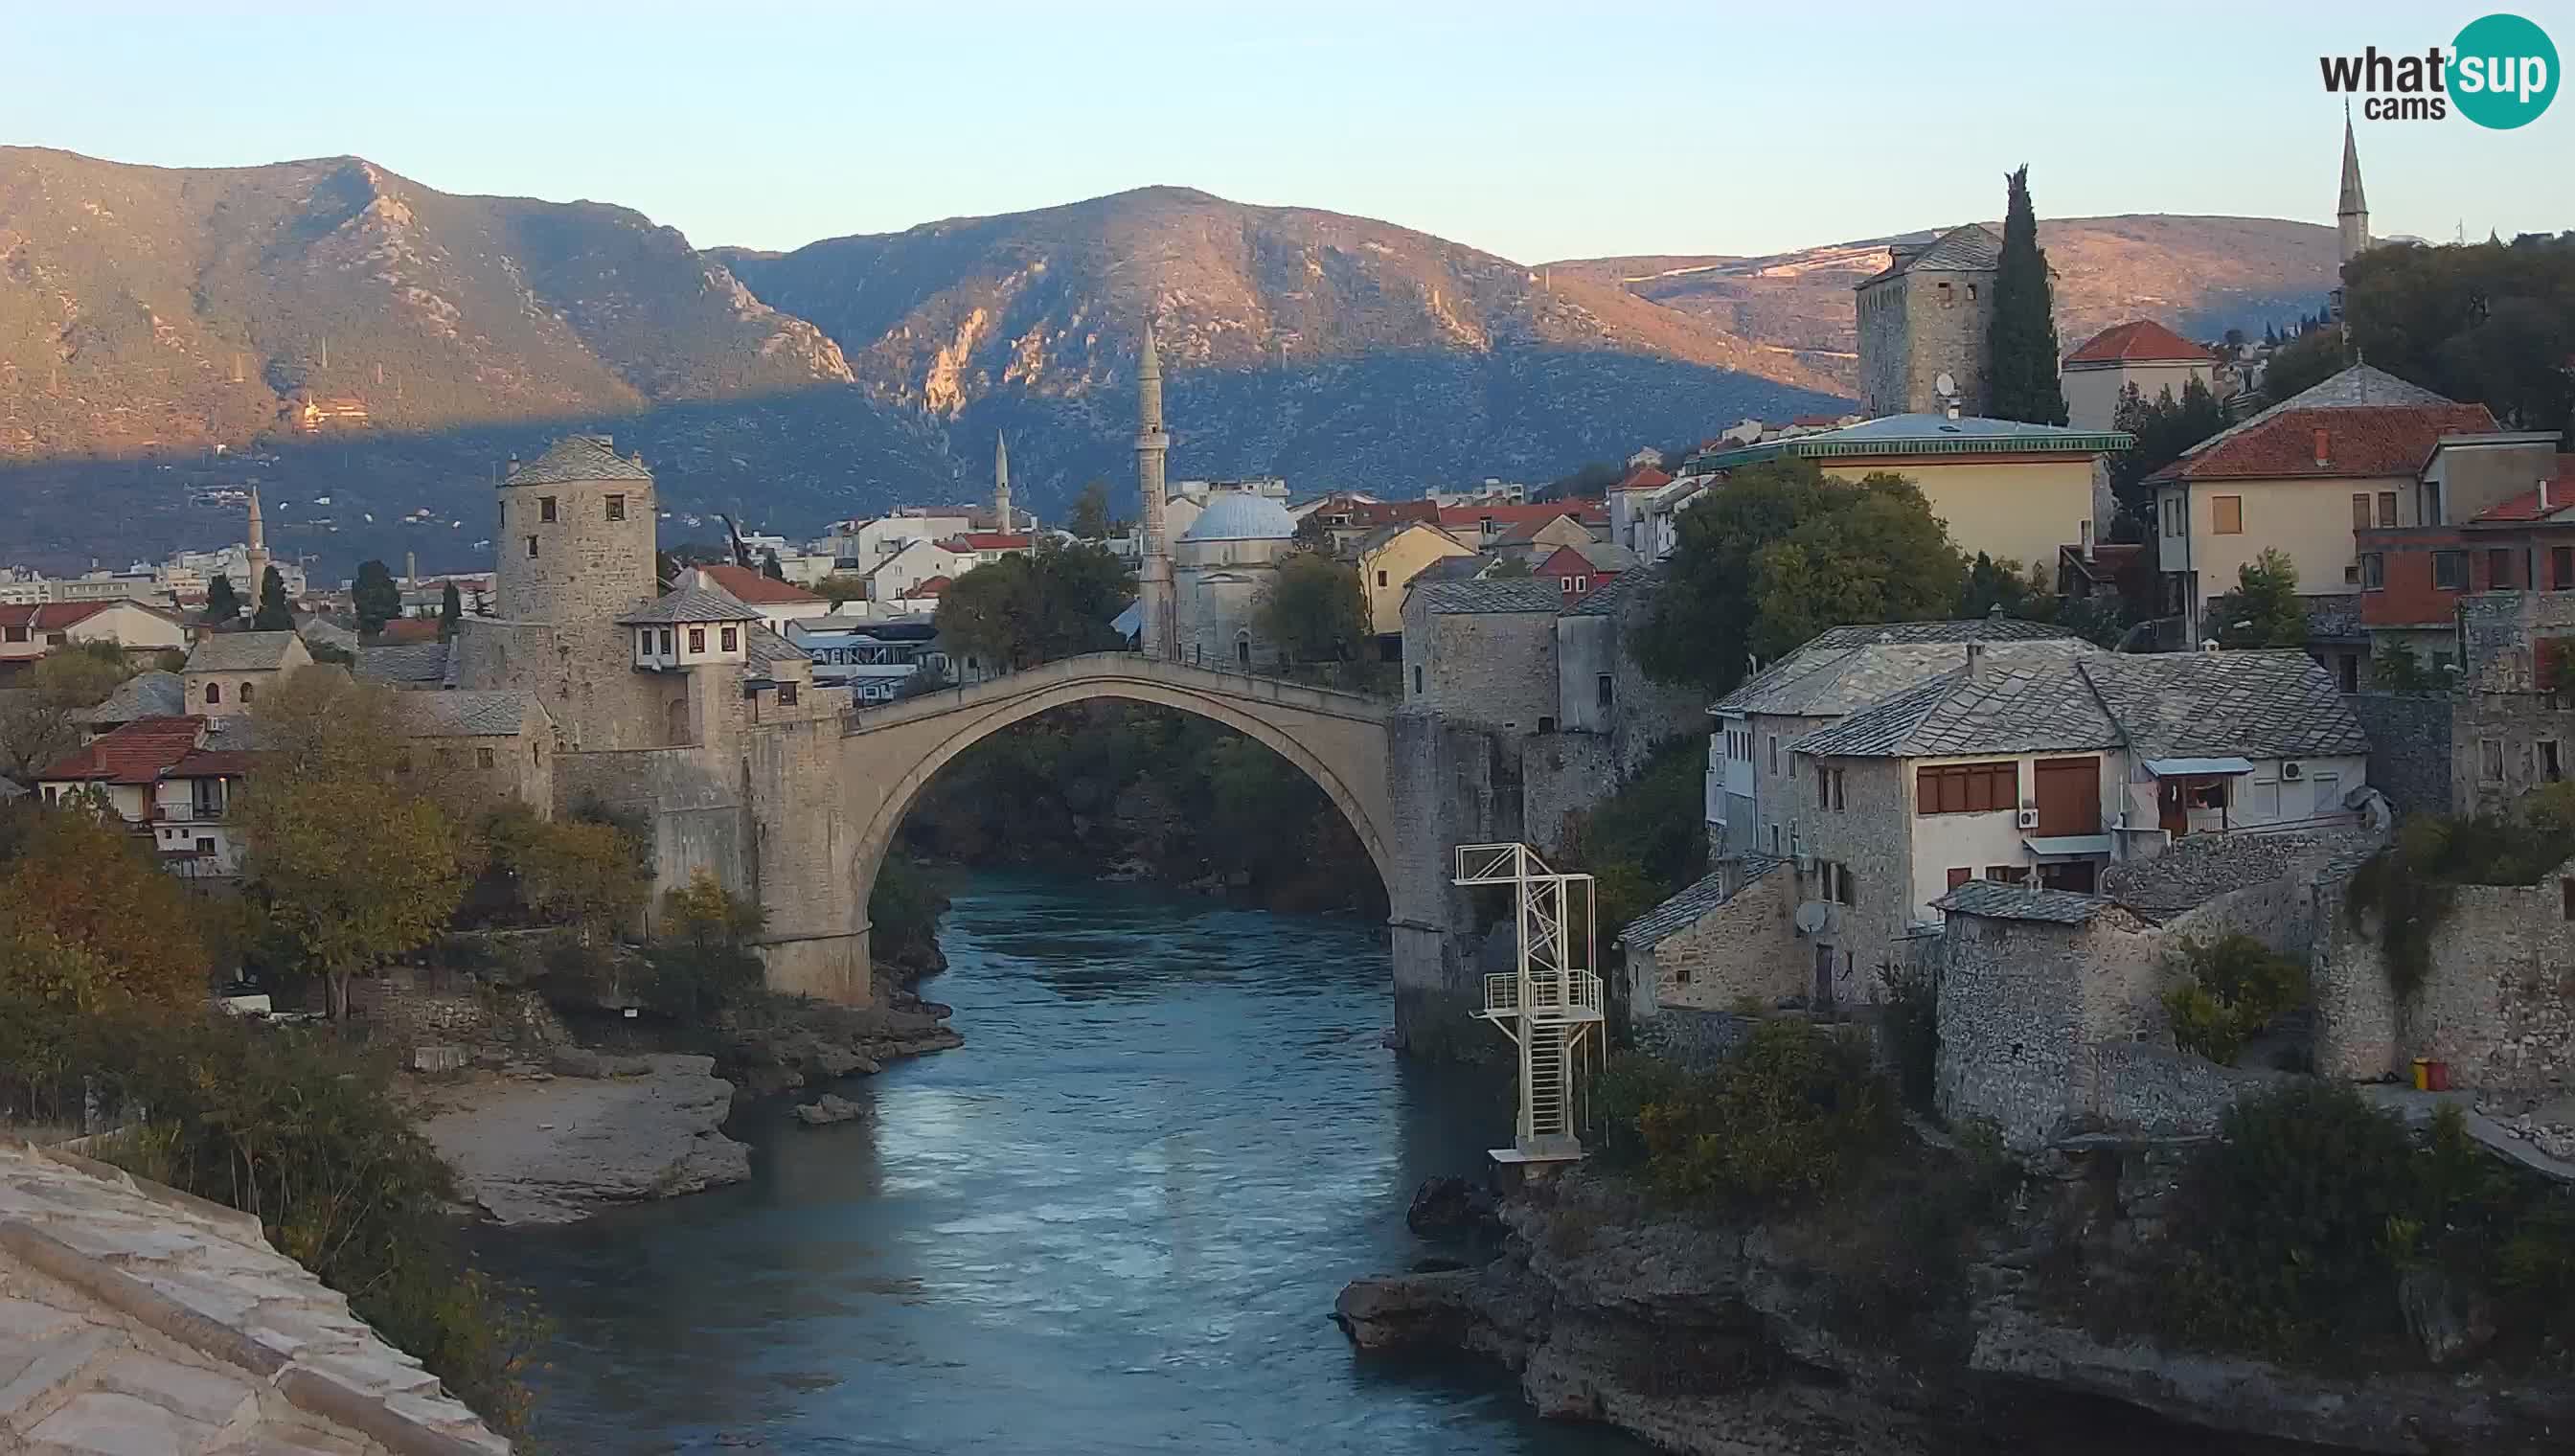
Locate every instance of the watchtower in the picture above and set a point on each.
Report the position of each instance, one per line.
(576, 536)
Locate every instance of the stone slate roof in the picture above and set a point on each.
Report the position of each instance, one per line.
(689, 605)
(404, 664)
(2258, 705)
(1683, 909)
(2254, 704)
(1612, 596)
(320, 634)
(764, 647)
(463, 714)
(1847, 668)
(1520, 594)
(1996, 901)
(145, 694)
(9, 790)
(1959, 250)
(578, 458)
(239, 652)
(2036, 702)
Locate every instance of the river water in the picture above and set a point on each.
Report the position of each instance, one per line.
(1114, 1221)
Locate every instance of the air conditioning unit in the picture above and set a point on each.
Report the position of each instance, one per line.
(2029, 819)
(2290, 772)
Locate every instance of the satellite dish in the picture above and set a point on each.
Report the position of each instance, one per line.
(1944, 384)
(1811, 917)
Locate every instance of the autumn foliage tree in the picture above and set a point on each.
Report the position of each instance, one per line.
(351, 863)
(1313, 608)
(92, 922)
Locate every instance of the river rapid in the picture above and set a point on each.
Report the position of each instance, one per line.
(1114, 1221)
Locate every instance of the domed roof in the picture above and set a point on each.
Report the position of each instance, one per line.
(1242, 516)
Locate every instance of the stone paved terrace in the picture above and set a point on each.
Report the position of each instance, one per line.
(138, 1321)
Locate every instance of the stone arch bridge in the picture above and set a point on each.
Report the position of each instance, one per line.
(819, 857)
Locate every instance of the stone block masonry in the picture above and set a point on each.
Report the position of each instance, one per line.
(137, 1319)
(2497, 1004)
(2409, 748)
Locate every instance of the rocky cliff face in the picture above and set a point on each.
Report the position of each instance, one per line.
(1731, 1340)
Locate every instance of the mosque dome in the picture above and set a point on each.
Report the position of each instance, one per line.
(1242, 516)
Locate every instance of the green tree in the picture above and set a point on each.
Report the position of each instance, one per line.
(2164, 427)
(2263, 610)
(1313, 608)
(2022, 341)
(1091, 519)
(223, 603)
(1511, 569)
(702, 959)
(349, 864)
(580, 872)
(85, 884)
(376, 596)
(451, 611)
(273, 614)
(1055, 602)
(771, 567)
(2491, 322)
(2301, 364)
(1312, 533)
(842, 586)
(1784, 552)
(1991, 583)
(41, 722)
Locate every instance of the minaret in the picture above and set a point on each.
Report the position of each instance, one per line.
(2353, 211)
(1001, 482)
(1152, 444)
(255, 557)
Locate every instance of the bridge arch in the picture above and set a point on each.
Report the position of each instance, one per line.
(889, 755)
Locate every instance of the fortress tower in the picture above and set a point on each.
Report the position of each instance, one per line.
(1151, 444)
(575, 536)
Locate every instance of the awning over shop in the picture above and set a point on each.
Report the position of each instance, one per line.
(2197, 768)
(2067, 847)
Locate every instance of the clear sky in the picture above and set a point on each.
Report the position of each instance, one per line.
(1535, 132)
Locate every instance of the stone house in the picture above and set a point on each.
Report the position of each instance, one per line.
(2297, 477)
(1609, 716)
(1485, 524)
(1579, 570)
(123, 765)
(1483, 652)
(1726, 940)
(1923, 321)
(2512, 721)
(2140, 353)
(145, 694)
(1836, 674)
(2010, 491)
(1388, 557)
(226, 670)
(502, 742)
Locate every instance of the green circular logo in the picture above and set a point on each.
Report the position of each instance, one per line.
(2503, 72)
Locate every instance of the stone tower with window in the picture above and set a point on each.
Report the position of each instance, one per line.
(1930, 312)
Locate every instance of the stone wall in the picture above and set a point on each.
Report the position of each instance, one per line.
(1446, 784)
(1690, 1037)
(695, 821)
(2409, 748)
(1563, 774)
(1907, 338)
(2498, 1003)
(2503, 744)
(1744, 949)
(1490, 668)
(413, 1006)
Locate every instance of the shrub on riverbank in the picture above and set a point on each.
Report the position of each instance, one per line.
(2298, 1232)
(1795, 1110)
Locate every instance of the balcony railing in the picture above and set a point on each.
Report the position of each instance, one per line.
(1572, 996)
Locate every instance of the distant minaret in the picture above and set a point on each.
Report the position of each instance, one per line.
(1001, 482)
(255, 558)
(2353, 211)
(1152, 444)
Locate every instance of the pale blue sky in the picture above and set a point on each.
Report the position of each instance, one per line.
(1537, 133)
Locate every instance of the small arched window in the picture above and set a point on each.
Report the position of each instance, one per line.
(1243, 648)
(248, 689)
(214, 692)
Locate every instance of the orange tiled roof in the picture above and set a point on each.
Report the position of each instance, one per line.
(1589, 512)
(134, 754)
(2372, 440)
(2526, 507)
(2139, 342)
(751, 589)
(1643, 478)
(51, 615)
(996, 540)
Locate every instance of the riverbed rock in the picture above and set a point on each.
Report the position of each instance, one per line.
(1451, 1209)
(2452, 1321)
(827, 1110)
(557, 1150)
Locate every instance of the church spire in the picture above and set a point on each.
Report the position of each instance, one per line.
(1001, 482)
(2353, 212)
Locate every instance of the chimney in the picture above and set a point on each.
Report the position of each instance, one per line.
(1977, 657)
(2543, 495)
(2087, 541)
(1953, 408)
(2324, 446)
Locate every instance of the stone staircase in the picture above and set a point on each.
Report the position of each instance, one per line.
(138, 1321)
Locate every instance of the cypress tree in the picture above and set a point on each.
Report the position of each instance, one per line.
(451, 610)
(223, 603)
(272, 615)
(2022, 345)
(376, 596)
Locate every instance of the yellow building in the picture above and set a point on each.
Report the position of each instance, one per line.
(2013, 491)
(1389, 558)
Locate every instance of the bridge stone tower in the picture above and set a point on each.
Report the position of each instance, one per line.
(1151, 444)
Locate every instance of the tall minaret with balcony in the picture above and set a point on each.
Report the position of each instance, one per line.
(1001, 483)
(2351, 212)
(255, 555)
(1151, 444)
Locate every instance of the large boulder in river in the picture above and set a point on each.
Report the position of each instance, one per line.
(1452, 1209)
(825, 1111)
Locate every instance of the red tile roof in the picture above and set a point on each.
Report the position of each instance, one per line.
(2140, 341)
(213, 764)
(1814, 421)
(2368, 439)
(1589, 511)
(51, 616)
(751, 589)
(2526, 507)
(996, 540)
(134, 754)
(929, 588)
(1643, 478)
(1373, 514)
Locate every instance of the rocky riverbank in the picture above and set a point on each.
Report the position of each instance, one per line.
(555, 1144)
(1751, 1340)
